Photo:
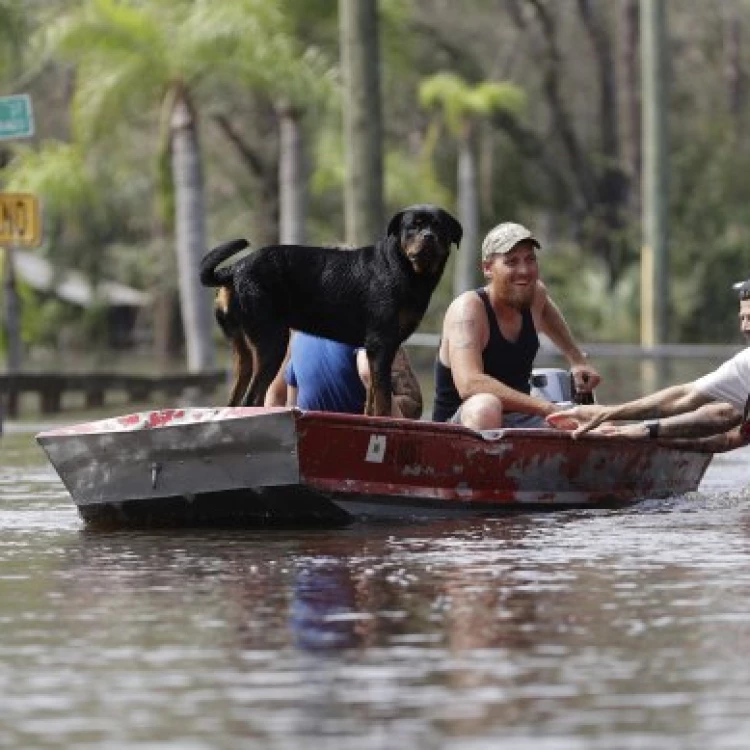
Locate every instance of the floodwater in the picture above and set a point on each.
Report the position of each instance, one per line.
(578, 629)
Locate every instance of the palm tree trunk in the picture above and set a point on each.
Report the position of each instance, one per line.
(467, 259)
(363, 129)
(292, 179)
(631, 87)
(736, 78)
(190, 235)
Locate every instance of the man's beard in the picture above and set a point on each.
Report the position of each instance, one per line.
(521, 300)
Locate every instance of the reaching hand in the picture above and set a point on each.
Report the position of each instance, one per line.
(637, 431)
(579, 419)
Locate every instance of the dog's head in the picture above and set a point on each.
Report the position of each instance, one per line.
(425, 234)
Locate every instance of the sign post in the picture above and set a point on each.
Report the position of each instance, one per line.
(19, 225)
(12, 313)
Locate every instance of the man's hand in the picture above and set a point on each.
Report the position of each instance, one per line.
(585, 377)
(637, 431)
(579, 419)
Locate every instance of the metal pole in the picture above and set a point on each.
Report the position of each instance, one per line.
(654, 258)
(12, 314)
(12, 324)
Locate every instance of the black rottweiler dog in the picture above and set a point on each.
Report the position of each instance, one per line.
(373, 296)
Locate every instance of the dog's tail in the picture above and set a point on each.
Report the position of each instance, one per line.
(209, 276)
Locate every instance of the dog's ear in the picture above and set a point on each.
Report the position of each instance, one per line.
(455, 230)
(394, 225)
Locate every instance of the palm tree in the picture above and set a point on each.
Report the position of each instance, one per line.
(131, 58)
(300, 81)
(134, 57)
(462, 107)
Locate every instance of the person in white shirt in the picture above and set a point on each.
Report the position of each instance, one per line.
(713, 408)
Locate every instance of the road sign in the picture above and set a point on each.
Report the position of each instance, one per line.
(16, 117)
(20, 222)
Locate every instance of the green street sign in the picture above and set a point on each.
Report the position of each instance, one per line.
(16, 117)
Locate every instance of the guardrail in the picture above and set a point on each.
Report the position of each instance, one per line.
(95, 387)
(631, 351)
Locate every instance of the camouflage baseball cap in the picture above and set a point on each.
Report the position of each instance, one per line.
(504, 237)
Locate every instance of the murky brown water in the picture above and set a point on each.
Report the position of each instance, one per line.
(595, 629)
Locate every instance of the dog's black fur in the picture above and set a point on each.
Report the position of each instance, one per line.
(373, 296)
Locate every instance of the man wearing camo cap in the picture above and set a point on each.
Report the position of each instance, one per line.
(490, 339)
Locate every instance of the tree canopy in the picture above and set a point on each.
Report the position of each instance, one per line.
(552, 89)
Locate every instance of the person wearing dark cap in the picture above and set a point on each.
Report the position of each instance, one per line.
(714, 408)
(743, 290)
(490, 339)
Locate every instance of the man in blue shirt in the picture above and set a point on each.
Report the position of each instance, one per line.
(325, 375)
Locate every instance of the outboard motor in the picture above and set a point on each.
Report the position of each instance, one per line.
(557, 386)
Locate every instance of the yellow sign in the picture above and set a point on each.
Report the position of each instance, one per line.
(20, 221)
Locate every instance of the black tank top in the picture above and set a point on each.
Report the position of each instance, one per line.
(510, 362)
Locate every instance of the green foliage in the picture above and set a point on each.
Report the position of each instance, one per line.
(460, 101)
(412, 179)
(58, 173)
(710, 234)
(12, 31)
(82, 202)
(105, 180)
(42, 318)
(704, 304)
(580, 286)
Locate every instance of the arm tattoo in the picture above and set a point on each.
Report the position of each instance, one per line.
(463, 330)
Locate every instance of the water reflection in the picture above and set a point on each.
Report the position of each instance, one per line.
(369, 594)
(451, 584)
(324, 612)
(578, 629)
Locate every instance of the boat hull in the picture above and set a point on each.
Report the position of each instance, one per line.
(257, 466)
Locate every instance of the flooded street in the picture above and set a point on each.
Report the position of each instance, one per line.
(578, 629)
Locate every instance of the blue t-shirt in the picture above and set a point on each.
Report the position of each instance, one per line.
(324, 372)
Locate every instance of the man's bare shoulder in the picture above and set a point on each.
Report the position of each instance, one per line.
(465, 321)
(541, 296)
(465, 304)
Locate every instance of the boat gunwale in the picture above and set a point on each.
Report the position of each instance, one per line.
(138, 421)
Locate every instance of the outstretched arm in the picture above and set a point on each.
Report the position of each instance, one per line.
(726, 441)
(676, 399)
(711, 419)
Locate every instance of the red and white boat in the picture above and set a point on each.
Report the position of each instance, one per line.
(228, 466)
